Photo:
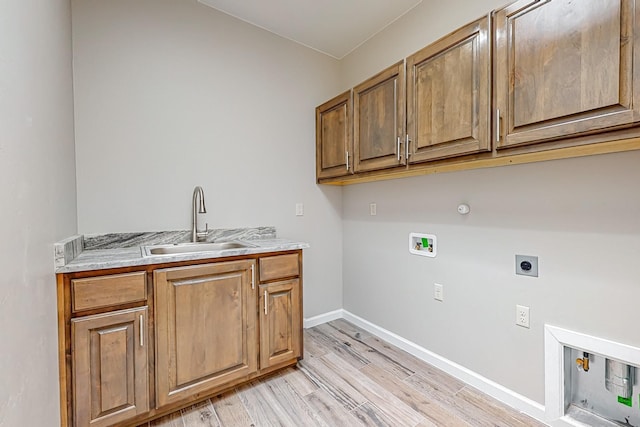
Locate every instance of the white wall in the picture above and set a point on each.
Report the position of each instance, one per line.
(579, 216)
(37, 195)
(172, 94)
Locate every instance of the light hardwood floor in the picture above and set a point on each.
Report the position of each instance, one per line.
(350, 378)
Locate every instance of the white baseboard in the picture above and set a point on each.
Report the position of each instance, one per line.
(323, 318)
(485, 385)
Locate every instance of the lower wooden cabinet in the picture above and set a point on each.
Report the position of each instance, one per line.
(280, 333)
(205, 327)
(110, 367)
(134, 345)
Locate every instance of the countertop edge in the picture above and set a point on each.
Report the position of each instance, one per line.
(103, 259)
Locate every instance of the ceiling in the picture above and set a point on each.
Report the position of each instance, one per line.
(333, 27)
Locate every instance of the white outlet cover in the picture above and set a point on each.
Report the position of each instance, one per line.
(522, 316)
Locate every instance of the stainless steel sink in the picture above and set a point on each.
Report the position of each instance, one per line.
(185, 248)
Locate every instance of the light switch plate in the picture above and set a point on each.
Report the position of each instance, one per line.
(299, 209)
(438, 292)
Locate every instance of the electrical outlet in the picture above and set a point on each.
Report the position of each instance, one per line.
(438, 292)
(522, 316)
(527, 265)
(373, 209)
(299, 209)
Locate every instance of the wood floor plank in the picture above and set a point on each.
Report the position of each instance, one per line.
(441, 380)
(332, 382)
(230, 410)
(298, 381)
(497, 409)
(371, 416)
(261, 406)
(390, 405)
(172, 420)
(350, 329)
(342, 337)
(330, 410)
(313, 347)
(200, 415)
(292, 403)
(465, 410)
(431, 409)
(350, 355)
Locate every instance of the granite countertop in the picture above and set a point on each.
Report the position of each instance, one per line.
(99, 252)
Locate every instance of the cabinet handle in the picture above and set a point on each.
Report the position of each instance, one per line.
(399, 148)
(406, 148)
(253, 277)
(498, 125)
(347, 157)
(265, 303)
(141, 327)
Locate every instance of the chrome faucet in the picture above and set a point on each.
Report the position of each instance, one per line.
(195, 234)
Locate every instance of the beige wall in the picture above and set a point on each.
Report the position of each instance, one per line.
(37, 195)
(579, 216)
(172, 94)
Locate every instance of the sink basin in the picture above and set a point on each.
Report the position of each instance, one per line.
(186, 248)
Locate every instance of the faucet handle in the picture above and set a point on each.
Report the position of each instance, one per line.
(203, 233)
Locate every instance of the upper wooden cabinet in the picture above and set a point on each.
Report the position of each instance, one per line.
(565, 68)
(334, 124)
(449, 95)
(554, 78)
(379, 120)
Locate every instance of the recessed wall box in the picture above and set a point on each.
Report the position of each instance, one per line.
(423, 244)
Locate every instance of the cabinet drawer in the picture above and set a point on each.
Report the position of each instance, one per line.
(105, 291)
(278, 267)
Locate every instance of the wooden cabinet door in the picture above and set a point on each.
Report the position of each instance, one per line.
(334, 123)
(110, 367)
(205, 327)
(565, 68)
(448, 95)
(280, 323)
(379, 121)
